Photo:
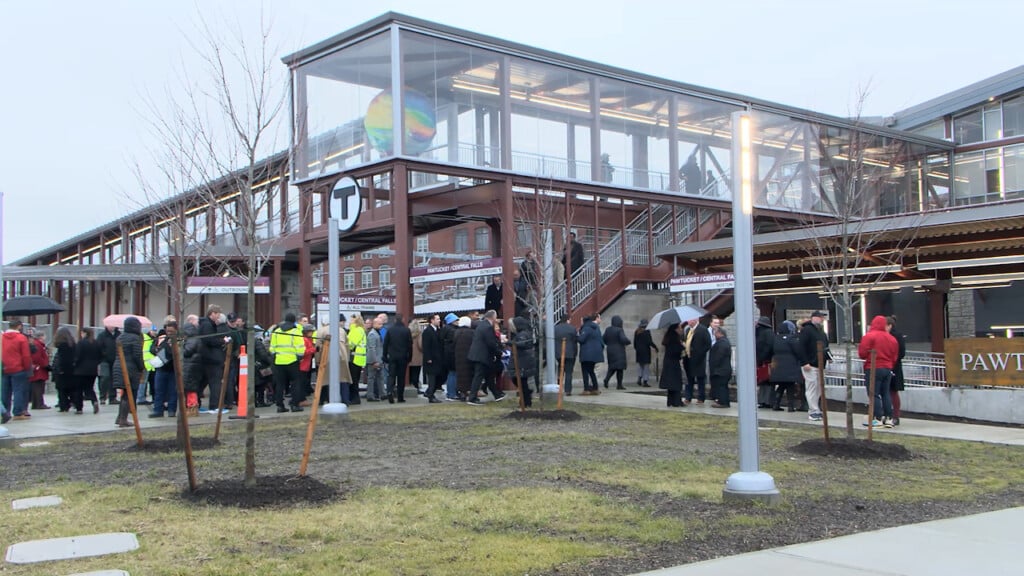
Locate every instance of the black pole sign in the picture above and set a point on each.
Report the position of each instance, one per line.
(346, 203)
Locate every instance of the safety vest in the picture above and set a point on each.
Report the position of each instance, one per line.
(357, 345)
(147, 341)
(287, 346)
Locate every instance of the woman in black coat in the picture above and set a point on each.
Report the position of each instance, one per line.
(786, 362)
(64, 369)
(615, 342)
(643, 343)
(463, 367)
(88, 356)
(672, 373)
(131, 343)
(525, 350)
(764, 337)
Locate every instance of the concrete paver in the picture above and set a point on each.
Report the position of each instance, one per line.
(38, 502)
(72, 547)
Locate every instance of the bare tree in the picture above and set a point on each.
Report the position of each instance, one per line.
(862, 176)
(216, 136)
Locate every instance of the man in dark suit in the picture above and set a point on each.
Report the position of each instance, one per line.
(397, 353)
(484, 353)
(699, 346)
(566, 332)
(574, 259)
(492, 299)
(433, 358)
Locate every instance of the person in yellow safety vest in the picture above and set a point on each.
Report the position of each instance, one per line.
(147, 341)
(287, 347)
(357, 348)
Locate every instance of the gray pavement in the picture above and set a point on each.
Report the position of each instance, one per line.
(979, 544)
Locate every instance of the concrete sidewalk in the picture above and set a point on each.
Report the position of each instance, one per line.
(980, 544)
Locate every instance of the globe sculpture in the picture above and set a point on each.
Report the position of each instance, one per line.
(420, 122)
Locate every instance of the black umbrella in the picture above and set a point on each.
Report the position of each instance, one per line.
(676, 315)
(30, 306)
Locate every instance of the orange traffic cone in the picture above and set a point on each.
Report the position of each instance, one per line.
(243, 386)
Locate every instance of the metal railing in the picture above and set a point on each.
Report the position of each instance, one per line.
(920, 369)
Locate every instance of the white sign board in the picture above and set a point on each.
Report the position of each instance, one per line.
(346, 203)
(696, 282)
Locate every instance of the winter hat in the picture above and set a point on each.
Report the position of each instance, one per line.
(788, 327)
(450, 318)
(464, 322)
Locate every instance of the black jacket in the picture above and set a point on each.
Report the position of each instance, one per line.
(615, 342)
(397, 346)
(720, 359)
(163, 342)
(88, 356)
(448, 346)
(764, 337)
(211, 347)
(700, 345)
(575, 259)
(786, 359)
(567, 333)
(492, 299)
(433, 352)
(486, 347)
(131, 343)
(108, 345)
(525, 348)
(809, 337)
(643, 343)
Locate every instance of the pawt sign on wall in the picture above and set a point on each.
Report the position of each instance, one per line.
(985, 361)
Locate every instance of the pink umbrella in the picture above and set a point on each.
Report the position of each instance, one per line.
(117, 321)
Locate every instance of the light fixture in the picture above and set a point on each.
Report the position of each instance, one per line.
(771, 278)
(988, 278)
(969, 262)
(856, 271)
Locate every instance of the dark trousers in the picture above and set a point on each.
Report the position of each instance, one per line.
(396, 379)
(618, 377)
(353, 388)
(286, 377)
(567, 370)
(107, 391)
(589, 377)
(483, 372)
(165, 392)
(66, 392)
(83, 390)
(38, 389)
(883, 400)
(213, 374)
(414, 376)
(675, 398)
(434, 383)
(720, 389)
(698, 382)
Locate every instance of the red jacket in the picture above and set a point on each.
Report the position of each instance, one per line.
(306, 362)
(16, 356)
(879, 339)
(40, 362)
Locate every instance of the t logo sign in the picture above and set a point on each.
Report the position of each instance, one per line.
(346, 203)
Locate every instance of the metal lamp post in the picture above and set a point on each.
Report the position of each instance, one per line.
(749, 483)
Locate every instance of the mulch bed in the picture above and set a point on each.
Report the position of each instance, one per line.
(853, 449)
(165, 446)
(269, 492)
(551, 415)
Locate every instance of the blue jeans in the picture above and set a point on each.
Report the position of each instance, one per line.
(165, 391)
(15, 390)
(883, 401)
(451, 387)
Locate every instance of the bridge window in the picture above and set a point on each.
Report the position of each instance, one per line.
(482, 239)
(348, 280)
(462, 241)
(366, 277)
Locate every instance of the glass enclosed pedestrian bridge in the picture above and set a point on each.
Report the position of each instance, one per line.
(468, 100)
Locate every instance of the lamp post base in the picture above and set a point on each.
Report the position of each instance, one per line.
(751, 487)
(334, 408)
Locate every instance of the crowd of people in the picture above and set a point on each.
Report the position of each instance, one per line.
(463, 359)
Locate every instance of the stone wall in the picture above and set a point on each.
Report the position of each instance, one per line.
(960, 312)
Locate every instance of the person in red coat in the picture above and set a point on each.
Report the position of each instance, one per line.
(306, 362)
(17, 361)
(40, 370)
(886, 351)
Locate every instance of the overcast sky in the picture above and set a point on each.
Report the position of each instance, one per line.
(75, 72)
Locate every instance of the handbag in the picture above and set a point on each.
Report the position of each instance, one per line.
(160, 360)
(764, 372)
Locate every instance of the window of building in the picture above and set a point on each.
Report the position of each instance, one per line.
(367, 255)
(1013, 117)
(422, 244)
(524, 234)
(482, 239)
(461, 241)
(967, 127)
(348, 280)
(993, 121)
(366, 277)
(384, 276)
(350, 257)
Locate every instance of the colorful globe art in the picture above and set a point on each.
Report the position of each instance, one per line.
(420, 122)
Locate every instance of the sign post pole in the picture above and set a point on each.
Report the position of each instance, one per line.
(346, 203)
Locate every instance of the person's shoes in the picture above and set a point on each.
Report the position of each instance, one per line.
(124, 424)
(172, 414)
(873, 423)
(401, 400)
(568, 393)
(699, 402)
(156, 414)
(78, 411)
(281, 409)
(204, 410)
(717, 405)
(21, 417)
(595, 392)
(815, 416)
(887, 422)
(373, 399)
(297, 408)
(896, 421)
(778, 409)
(500, 398)
(62, 410)
(95, 407)
(145, 402)
(474, 402)
(620, 387)
(306, 403)
(802, 408)
(605, 383)
(450, 399)
(433, 400)
(225, 411)
(791, 409)
(391, 398)
(5, 418)
(43, 407)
